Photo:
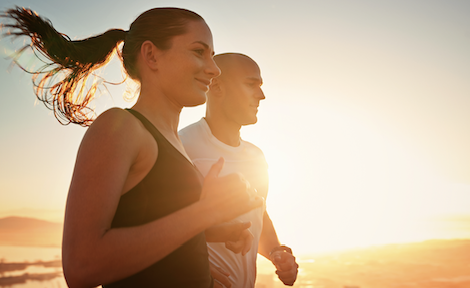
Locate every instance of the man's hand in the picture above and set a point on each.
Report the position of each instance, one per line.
(235, 234)
(220, 277)
(286, 266)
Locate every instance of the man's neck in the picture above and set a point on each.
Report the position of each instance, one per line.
(228, 133)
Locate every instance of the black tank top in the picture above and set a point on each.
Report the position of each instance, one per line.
(172, 184)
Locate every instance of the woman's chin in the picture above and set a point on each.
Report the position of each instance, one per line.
(196, 102)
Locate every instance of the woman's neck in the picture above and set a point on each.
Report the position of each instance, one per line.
(160, 111)
(164, 115)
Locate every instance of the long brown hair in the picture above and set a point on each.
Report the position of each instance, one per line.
(61, 83)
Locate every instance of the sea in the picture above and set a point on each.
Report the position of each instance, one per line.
(432, 263)
(13, 254)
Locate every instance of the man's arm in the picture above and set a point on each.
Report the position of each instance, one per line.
(268, 239)
(286, 266)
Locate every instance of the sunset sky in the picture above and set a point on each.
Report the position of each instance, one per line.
(365, 126)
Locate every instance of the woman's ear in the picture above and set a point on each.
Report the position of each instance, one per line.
(149, 53)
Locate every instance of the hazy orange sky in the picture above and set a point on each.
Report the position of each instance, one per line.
(365, 126)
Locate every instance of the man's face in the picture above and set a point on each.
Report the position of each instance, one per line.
(242, 91)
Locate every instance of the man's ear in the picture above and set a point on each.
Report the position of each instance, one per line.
(216, 87)
(149, 53)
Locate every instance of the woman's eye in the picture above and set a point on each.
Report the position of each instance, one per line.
(199, 51)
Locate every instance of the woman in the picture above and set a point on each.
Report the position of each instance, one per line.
(137, 208)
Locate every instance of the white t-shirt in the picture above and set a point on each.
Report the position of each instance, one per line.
(204, 150)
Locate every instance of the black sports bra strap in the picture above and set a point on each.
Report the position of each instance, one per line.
(147, 124)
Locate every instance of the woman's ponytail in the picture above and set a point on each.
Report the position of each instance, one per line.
(61, 84)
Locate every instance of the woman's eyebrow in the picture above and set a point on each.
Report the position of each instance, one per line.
(202, 43)
(205, 46)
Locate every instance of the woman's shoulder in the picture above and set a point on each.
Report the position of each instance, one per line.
(116, 119)
(116, 124)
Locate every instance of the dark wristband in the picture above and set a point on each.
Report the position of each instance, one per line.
(280, 248)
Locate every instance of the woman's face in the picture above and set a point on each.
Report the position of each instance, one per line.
(187, 68)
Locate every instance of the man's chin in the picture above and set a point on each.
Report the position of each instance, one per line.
(251, 122)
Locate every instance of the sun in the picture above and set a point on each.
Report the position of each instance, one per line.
(337, 181)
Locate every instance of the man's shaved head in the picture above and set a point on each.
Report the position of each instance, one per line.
(230, 62)
(235, 94)
(226, 61)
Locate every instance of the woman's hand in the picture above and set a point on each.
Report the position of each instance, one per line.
(228, 196)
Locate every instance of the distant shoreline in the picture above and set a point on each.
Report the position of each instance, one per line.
(30, 232)
(31, 246)
(384, 245)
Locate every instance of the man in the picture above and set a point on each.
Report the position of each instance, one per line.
(232, 102)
